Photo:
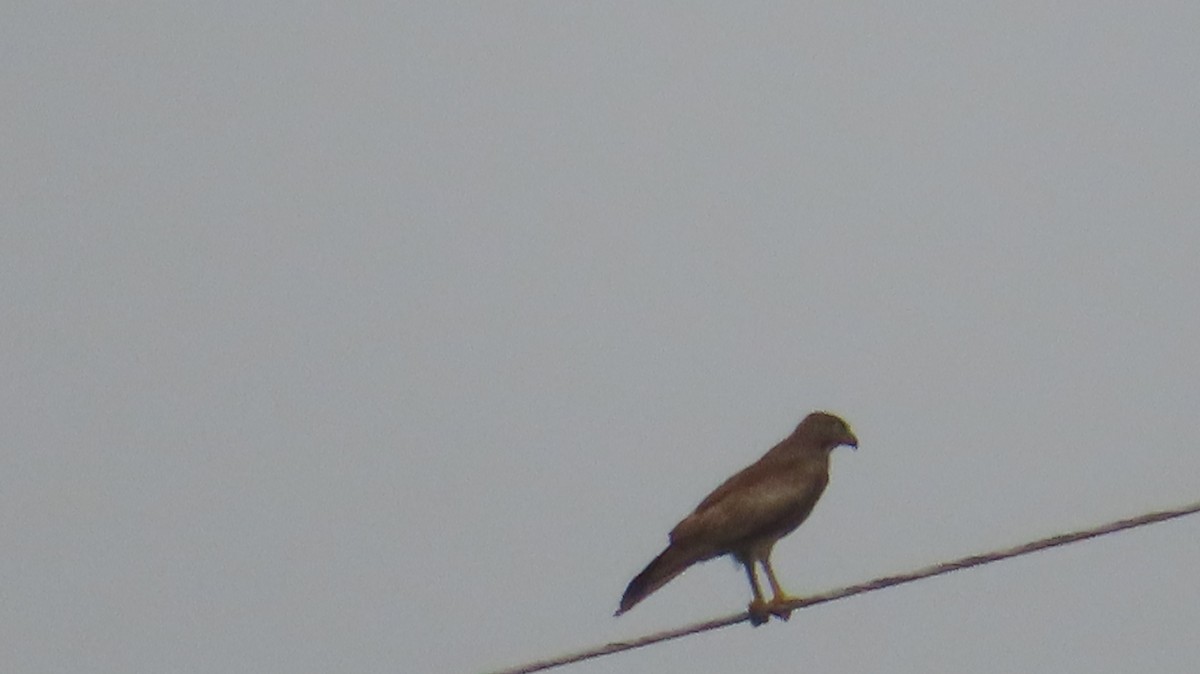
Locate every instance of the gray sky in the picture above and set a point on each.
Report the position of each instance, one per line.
(395, 337)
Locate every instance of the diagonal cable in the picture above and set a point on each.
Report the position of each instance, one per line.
(869, 586)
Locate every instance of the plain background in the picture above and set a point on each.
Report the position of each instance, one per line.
(394, 337)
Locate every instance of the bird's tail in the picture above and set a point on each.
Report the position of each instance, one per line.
(670, 563)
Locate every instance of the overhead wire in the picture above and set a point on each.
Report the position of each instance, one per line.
(860, 588)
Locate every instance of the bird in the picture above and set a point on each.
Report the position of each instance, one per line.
(749, 512)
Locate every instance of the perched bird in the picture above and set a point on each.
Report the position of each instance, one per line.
(749, 512)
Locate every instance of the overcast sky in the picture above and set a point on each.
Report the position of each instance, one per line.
(395, 337)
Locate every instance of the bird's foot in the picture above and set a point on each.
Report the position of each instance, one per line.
(779, 608)
(760, 612)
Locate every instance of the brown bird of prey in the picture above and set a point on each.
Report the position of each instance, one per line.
(749, 512)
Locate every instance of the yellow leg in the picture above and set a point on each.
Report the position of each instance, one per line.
(780, 597)
(758, 608)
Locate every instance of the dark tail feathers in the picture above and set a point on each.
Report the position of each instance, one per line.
(657, 573)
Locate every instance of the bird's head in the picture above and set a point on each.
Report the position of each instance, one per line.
(828, 430)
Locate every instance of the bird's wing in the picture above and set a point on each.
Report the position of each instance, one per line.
(767, 499)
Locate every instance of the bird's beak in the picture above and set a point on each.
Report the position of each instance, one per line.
(851, 441)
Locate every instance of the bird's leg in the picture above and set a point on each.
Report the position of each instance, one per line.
(780, 597)
(758, 607)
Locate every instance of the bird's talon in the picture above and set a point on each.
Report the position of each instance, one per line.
(760, 612)
(779, 606)
(781, 612)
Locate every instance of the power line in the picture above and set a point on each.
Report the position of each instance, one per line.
(869, 586)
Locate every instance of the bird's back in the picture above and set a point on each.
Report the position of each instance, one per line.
(761, 503)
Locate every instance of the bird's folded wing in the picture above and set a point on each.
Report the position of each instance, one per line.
(749, 505)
